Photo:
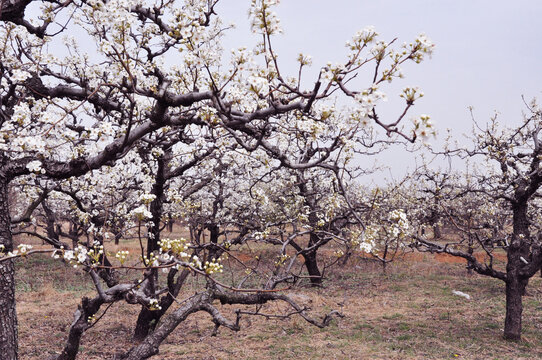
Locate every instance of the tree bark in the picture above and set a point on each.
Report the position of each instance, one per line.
(147, 319)
(151, 343)
(50, 222)
(88, 307)
(514, 308)
(437, 234)
(214, 234)
(146, 322)
(8, 314)
(311, 263)
(515, 284)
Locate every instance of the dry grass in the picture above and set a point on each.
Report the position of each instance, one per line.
(409, 312)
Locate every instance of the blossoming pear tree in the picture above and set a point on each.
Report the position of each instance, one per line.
(501, 209)
(85, 83)
(387, 227)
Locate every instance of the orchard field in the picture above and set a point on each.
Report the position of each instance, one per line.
(165, 195)
(407, 311)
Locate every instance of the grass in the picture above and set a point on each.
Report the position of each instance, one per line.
(408, 312)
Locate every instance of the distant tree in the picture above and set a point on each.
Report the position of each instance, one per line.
(504, 191)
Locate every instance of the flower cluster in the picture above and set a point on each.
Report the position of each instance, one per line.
(122, 256)
(20, 75)
(304, 60)
(34, 166)
(332, 72)
(196, 262)
(399, 221)
(154, 305)
(261, 235)
(411, 94)
(264, 21)
(151, 260)
(147, 198)
(421, 46)
(22, 250)
(281, 260)
(141, 213)
(258, 84)
(423, 126)
(368, 99)
(369, 238)
(213, 266)
(177, 247)
(80, 255)
(362, 38)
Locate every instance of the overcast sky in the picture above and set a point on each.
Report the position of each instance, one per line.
(488, 52)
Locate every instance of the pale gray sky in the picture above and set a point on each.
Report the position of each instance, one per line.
(488, 52)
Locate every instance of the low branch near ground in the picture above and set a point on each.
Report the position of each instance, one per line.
(427, 246)
(203, 302)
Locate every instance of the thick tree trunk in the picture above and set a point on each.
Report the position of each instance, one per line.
(514, 307)
(312, 268)
(147, 319)
(8, 314)
(515, 284)
(146, 322)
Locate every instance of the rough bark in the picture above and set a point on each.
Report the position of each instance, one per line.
(147, 319)
(311, 263)
(515, 282)
(150, 344)
(89, 307)
(8, 314)
(514, 307)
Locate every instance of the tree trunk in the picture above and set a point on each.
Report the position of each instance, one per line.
(50, 223)
(170, 224)
(514, 307)
(151, 343)
(8, 314)
(146, 322)
(312, 268)
(214, 234)
(515, 284)
(148, 319)
(88, 307)
(118, 236)
(437, 234)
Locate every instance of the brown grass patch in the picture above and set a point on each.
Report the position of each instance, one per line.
(406, 312)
